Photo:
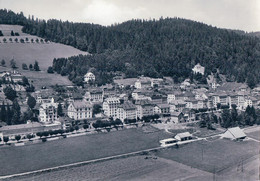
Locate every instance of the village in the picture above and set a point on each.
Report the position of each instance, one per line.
(132, 101)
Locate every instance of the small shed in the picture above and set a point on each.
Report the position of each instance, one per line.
(234, 133)
(183, 136)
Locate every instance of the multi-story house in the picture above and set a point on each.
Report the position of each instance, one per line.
(143, 82)
(171, 97)
(80, 110)
(48, 112)
(144, 108)
(110, 106)
(192, 104)
(198, 69)
(89, 77)
(126, 111)
(163, 109)
(177, 105)
(95, 96)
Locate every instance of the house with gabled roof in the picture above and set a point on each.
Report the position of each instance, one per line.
(144, 108)
(177, 117)
(198, 69)
(110, 106)
(234, 133)
(80, 110)
(127, 110)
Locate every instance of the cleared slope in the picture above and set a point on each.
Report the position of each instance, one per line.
(30, 51)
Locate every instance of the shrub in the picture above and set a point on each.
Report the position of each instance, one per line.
(17, 137)
(6, 139)
(85, 126)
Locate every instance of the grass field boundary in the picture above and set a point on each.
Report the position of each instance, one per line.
(236, 164)
(80, 163)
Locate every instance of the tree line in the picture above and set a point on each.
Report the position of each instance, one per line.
(155, 48)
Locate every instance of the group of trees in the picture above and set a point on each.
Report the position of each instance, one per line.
(14, 34)
(155, 48)
(34, 67)
(11, 114)
(107, 123)
(231, 118)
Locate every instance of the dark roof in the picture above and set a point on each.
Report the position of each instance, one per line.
(128, 106)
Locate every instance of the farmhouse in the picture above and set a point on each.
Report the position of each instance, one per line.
(183, 136)
(234, 133)
(80, 110)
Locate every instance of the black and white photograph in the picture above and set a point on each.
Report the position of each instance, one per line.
(120, 90)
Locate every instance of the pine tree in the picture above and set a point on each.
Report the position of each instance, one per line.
(36, 66)
(3, 112)
(9, 115)
(60, 111)
(16, 112)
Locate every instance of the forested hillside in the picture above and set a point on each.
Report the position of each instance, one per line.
(166, 47)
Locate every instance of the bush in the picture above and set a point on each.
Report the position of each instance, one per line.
(29, 136)
(6, 139)
(39, 134)
(50, 70)
(44, 139)
(46, 133)
(17, 137)
(85, 126)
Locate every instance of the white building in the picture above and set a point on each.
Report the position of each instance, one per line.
(48, 112)
(95, 96)
(80, 110)
(234, 133)
(89, 77)
(110, 106)
(198, 69)
(126, 111)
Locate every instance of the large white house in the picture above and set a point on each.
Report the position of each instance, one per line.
(89, 77)
(126, 111)
(198, 69)
(48, 112)
(80, 110)
(110, 106)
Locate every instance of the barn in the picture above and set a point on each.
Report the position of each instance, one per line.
(234, 133)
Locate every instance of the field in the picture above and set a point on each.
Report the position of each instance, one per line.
(130, 168)
(42, 78)
(222, 160)
(212, 156)
(253, 133)
(70, 150)
(28, 52)
(6, 29)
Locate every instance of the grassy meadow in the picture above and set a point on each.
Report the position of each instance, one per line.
(76, 149)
